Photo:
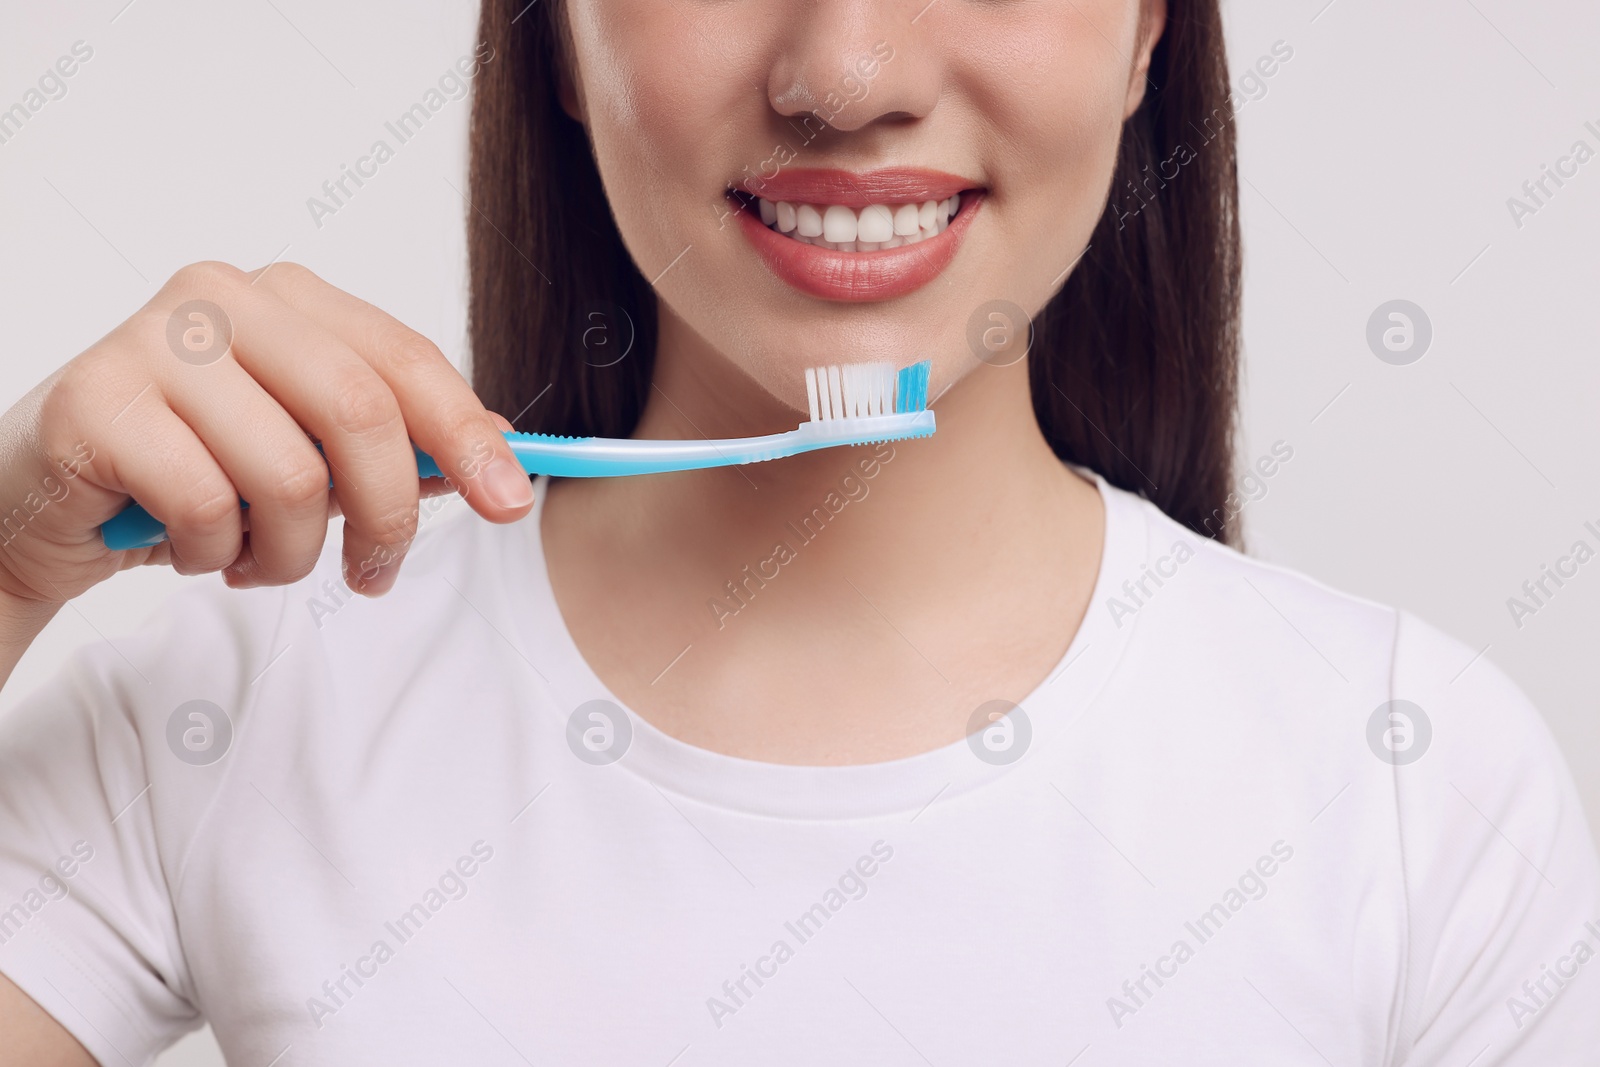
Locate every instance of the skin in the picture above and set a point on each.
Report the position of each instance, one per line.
(127, 417)
(946, 586)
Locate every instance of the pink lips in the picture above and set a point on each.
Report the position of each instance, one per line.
(860, 276)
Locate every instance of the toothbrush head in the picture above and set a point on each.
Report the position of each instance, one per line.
(859, 390)
(911, 387)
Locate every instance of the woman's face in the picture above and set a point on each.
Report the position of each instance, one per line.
(969, 144)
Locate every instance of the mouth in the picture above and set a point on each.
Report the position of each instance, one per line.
(845, 236)
(840, 228)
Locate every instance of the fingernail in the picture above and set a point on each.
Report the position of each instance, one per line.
(373, 576)
(507, 484)
(381, 581)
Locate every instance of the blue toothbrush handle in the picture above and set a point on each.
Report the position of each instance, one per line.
(134, 527)
(599, 457)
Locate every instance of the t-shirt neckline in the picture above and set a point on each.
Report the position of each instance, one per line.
(835, 792)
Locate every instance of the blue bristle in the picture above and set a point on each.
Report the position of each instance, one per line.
(911, 388)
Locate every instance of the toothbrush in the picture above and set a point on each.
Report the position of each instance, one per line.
(851, 404)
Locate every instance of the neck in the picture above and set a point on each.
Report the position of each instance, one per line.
(911, 581)
(960, 490)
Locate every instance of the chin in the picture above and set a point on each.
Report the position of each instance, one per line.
(777, 355)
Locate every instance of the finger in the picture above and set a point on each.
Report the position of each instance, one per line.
(270, 461)
(442, 413)
(331, 391)
(161, 462)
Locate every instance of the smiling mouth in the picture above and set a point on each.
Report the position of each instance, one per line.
(841, 228)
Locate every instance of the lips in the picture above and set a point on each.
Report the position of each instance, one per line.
(778, 214)
(852, 189)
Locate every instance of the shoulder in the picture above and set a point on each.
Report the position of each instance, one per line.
(1330, 688)
(1273, 621)
(1441, 807)
(1181, 590)
(1356, 639)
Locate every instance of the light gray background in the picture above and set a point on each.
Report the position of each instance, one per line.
(1377, 166)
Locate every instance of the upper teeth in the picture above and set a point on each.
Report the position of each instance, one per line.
(876, 226)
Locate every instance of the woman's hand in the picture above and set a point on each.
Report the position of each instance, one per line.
(206, 396)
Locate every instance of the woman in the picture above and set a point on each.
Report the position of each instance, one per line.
(982, 747)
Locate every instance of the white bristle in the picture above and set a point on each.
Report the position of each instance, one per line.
(851, 390)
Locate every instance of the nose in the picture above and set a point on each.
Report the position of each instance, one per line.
(852, 63)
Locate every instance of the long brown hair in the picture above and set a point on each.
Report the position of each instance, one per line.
(1134, 363)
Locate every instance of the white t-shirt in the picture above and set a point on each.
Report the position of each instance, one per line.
(411, 838)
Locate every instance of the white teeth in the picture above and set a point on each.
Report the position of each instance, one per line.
(877, 226)
(877, 223)
(809, 221)
(905, 220)
(839, 223)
